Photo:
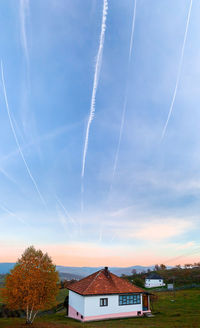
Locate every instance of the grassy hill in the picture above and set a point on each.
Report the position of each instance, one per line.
(181, 276)
(179, 310)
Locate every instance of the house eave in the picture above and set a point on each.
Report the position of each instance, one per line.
(100, 294)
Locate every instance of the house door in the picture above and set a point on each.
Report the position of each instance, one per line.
(145, 302)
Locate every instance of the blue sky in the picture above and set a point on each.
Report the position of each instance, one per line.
(148, 211)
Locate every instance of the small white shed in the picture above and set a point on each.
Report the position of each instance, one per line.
(154, 280)
(104, 295)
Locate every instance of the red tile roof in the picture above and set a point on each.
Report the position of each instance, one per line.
(103, 282)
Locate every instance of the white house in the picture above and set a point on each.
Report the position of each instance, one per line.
(103, 295)
(154, 280)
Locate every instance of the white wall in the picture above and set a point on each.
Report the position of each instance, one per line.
(77, 302)
(93, 308)
(154, 283)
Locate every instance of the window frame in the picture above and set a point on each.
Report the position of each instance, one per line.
(129, 299)
(103, 302)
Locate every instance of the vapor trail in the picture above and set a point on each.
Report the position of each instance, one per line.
(24, 8)
(132, 30)
(16, 139)
(126, 93)
(65, 210)
(82, 206)
(95, 83)
(8, 176)
(5, 209)
(179, 71)
(195, 251)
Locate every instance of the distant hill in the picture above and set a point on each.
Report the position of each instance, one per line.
(2, 279)
(69, 276)
(6, 267)
(83, 271)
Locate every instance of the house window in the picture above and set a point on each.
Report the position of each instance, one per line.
(103, 301)
(129, 299)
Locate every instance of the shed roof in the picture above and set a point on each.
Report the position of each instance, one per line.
(154, 276)
(103, 282)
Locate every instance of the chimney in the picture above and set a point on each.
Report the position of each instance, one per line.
(106, 271)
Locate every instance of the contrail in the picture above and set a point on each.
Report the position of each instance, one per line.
(132, 31)
(62, 219)
(24, 8)
(65, 210)
(95, 83)
(5, 209)
(195, 251)
(179, 71)
(82, 206)
(126, 94)
(8, 176)
(16, 139)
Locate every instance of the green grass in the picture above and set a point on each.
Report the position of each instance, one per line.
(183, 312)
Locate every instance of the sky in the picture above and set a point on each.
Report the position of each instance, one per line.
(137, 200)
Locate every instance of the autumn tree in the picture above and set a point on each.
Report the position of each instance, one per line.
(156, 267)
(163, 267)
(32, 284)
(188, 265)
(197, 264)
(134, 272)
(178, 266)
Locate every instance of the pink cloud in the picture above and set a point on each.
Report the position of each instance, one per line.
(158, 230)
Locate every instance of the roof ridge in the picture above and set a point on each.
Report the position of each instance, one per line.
(98, 273)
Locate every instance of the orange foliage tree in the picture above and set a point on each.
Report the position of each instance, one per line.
(32, 285)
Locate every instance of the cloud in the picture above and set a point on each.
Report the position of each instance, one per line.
(157, 230)
(188, 245)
